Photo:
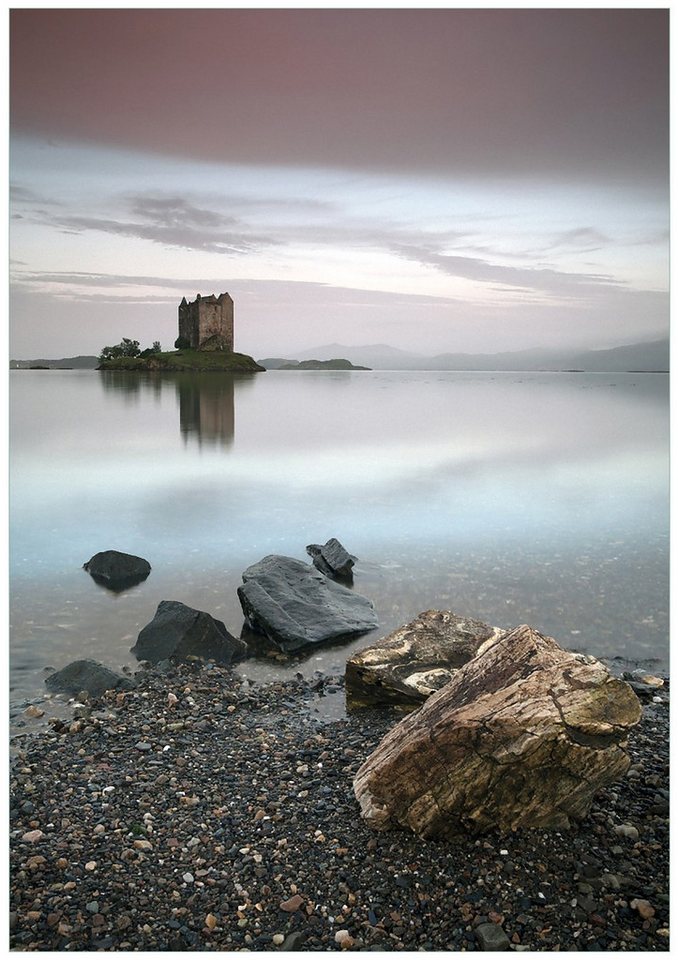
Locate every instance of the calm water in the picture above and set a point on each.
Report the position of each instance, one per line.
(539, 498)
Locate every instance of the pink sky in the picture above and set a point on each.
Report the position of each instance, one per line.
(462, 155)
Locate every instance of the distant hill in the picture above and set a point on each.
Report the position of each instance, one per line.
(378, 355)
(274, 363)
(333, 364)
(636, 357)
(652, 356)
(67, 363)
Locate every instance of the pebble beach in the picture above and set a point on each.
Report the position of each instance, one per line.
(203, 812)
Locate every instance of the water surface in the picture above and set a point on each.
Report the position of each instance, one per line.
(512, 497)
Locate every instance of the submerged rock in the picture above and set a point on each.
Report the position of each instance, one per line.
(522, 736)
(116, 570)
(179, 631)
(295, 606)
(87, 675)
(332, 559)
(415, 660)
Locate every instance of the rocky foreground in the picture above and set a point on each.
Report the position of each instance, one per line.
(198, 812)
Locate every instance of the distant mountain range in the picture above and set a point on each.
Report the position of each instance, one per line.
(648, 357)
(67, 363)
(278, 363)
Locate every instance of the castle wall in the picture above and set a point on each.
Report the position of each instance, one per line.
(207, 319)
(187, 323)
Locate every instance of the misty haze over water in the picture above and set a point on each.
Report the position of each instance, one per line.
(532, 497)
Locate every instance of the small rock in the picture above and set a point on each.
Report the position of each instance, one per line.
(116, 570)
(143, 745)
(92, 906)
(33, 836)
(34, 712)
(143, 844)
(491, 936)
(188, 878)
(626, 830)
(91, 865)
(643, 908)
(86, 676)
(294, 940)
(210, 921)
(293, 904)
(344, 939)
(278, 939)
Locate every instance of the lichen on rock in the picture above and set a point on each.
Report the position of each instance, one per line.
(415, 660)
(523, 735)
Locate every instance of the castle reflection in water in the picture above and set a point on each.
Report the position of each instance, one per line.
(206, 401)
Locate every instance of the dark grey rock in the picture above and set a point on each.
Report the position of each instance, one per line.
(116, 570)
(296, 606)
(179, 631)
(491, 936)
(332, 559)
(164, 667)
(87, 675)
(294, 940)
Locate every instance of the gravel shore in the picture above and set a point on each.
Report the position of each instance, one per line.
(200, 812)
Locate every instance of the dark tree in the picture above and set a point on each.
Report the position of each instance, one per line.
(126, 348)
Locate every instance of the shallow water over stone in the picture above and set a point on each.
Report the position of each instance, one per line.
(509, 497)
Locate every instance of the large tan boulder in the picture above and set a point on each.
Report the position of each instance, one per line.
(522, 736)
(415, 660)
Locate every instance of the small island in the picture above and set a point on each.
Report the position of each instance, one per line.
(321, 365)
(204, 344)
(176, 361)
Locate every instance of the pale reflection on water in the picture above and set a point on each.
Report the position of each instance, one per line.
(539, 498)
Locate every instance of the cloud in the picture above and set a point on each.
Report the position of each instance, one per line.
(172, 221)
(581, 238)
(173, 212)
(78, 285)
(555, 283)
(559, 94)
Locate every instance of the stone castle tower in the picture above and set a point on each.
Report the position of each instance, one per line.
(207, 322)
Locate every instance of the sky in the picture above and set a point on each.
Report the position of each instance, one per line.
(442, 180)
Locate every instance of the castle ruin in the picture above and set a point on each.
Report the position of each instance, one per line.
(206, 323)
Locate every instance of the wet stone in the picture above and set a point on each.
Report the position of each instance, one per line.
(389, 892)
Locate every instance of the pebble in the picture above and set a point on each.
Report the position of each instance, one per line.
(32, 836)
(293, 904)
(34, 712)
(626, 830)
(491, 936)
(256, 811)
(645, 909)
